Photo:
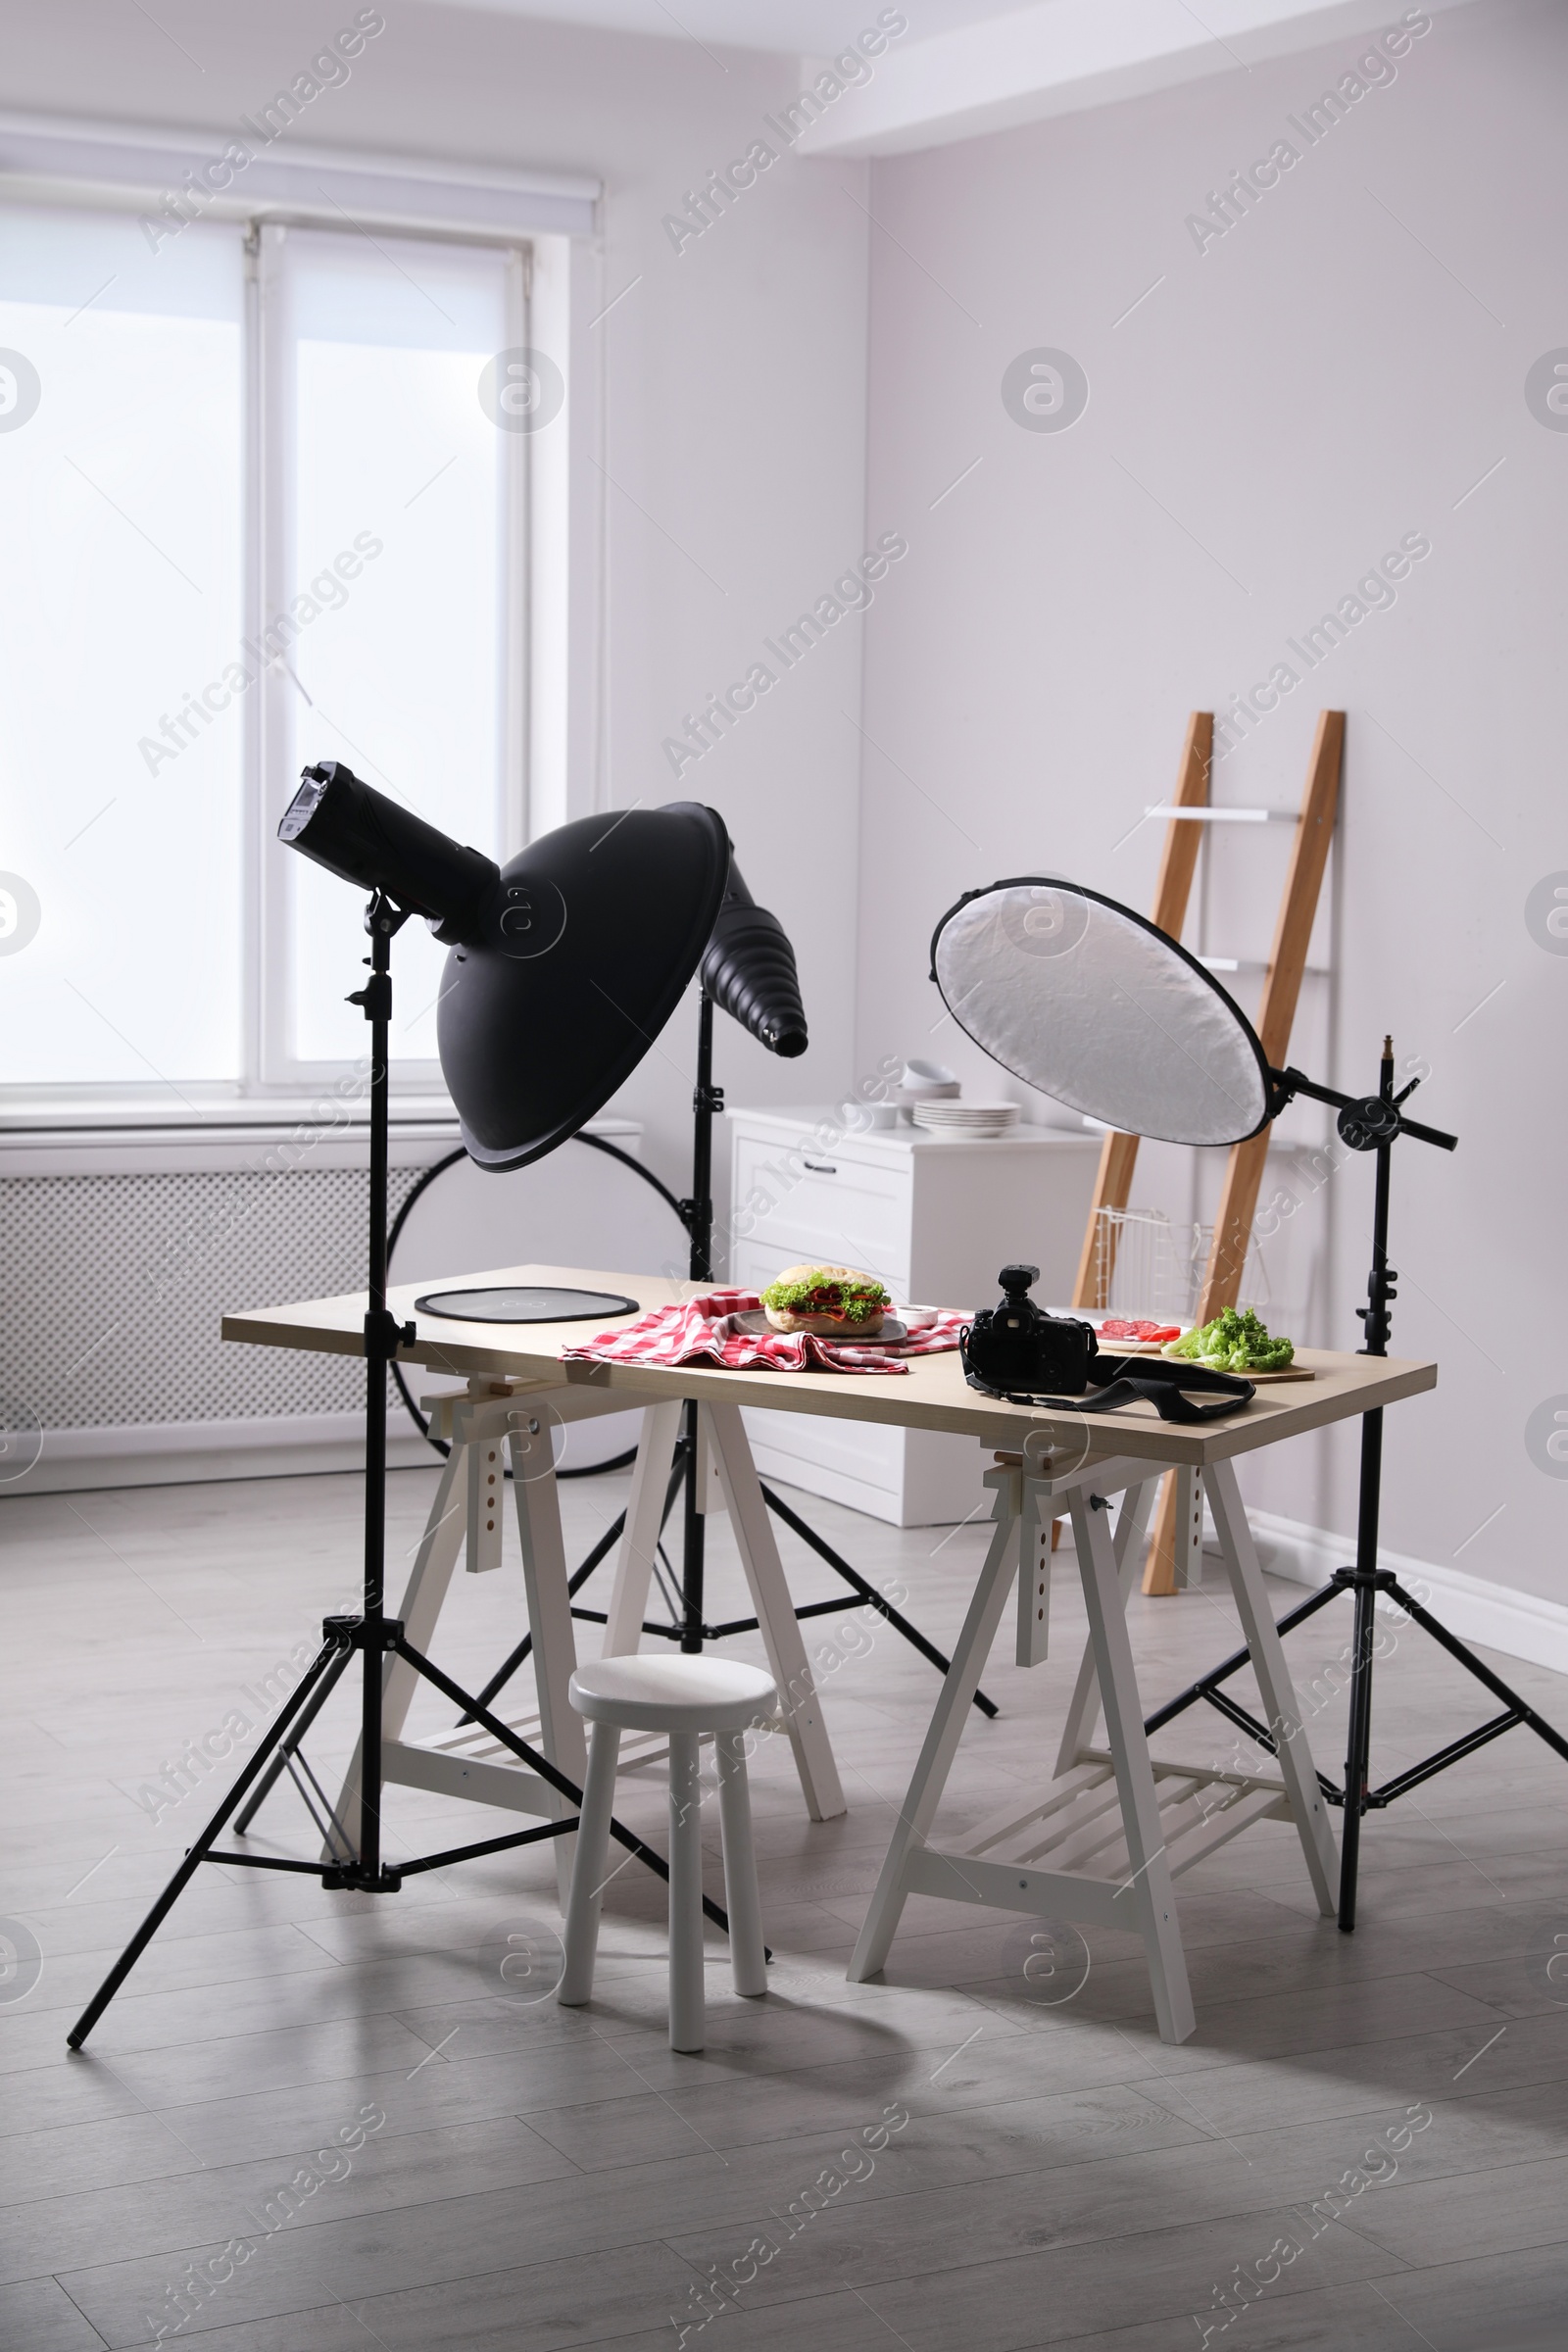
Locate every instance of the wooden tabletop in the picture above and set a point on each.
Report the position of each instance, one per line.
(930, 1393)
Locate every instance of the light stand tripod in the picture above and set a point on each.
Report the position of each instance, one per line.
(372, 1635)
(1370, 1124)
(693, 1630)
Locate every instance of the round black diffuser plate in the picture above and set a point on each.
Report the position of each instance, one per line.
(531, 1304)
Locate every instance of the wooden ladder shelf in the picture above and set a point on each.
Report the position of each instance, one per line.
(1180, 1511)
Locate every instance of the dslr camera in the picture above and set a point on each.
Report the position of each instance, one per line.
(1017, 1347)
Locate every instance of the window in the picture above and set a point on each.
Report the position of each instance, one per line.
(122, 507)
(255, 514)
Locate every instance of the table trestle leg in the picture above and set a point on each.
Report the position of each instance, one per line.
(1083, 1712)
(1281, 1712)
(639, 1543)
(1138, 1894)
(1148, 1878)
(561, 1738)
(941, 1745)
(775, 1612)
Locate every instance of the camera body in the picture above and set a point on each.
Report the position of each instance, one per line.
(1018, 1346)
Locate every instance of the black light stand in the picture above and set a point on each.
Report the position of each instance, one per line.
(371, 1634)
(696, 1213)
(1371, 1123)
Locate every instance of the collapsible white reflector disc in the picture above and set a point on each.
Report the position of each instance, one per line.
(1091, 1003)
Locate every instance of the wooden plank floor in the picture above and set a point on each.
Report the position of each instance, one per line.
(319, 2123)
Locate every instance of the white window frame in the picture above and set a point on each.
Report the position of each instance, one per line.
(549, 222)
(273, 579)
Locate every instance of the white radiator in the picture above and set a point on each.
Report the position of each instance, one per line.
(118, 1255)
(112, 1287)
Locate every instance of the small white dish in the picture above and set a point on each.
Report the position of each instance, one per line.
(926, 1082)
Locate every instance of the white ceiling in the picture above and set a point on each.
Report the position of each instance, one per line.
(1060, 56)
(964, 67)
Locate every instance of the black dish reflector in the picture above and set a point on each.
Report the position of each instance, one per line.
(601, 926)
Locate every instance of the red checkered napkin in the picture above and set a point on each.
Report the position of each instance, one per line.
(705, 1330)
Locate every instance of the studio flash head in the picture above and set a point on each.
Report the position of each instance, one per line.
(363, 837)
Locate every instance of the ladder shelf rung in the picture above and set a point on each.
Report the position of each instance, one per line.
(1202, 815)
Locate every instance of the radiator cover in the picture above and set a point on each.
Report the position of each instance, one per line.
(112, 1287)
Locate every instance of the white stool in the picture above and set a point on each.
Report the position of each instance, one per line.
(681, 1696)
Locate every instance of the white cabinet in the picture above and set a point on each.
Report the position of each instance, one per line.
(933, 1216)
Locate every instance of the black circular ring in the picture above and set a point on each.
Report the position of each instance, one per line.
(532, 1302)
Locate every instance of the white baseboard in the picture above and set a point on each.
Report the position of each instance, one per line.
(175, 1454)
(1498, 1617)
(163, 1454)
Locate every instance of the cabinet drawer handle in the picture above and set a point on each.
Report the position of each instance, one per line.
(822, 1167)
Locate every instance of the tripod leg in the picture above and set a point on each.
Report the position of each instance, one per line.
(1483, 1673)
(426, 1590)
(1357, 1752)
(868, 1592)
(289, 1746)
(1358, 1761)
(694, 1539)
(645, 1517)
(325, 1657)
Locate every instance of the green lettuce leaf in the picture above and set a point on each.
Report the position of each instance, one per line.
(1234, 1342)
(819, 1293)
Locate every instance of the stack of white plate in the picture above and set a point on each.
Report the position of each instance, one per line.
(966, 1116)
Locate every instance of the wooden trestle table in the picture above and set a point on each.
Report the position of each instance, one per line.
(1114, 1828)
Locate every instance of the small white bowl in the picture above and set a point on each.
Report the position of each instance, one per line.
(926, 1082)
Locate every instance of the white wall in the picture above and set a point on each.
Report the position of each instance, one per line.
(1281, 409)
(1276, 413)
(732, 391)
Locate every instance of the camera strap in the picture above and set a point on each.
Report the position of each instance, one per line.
(1131, 1379)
